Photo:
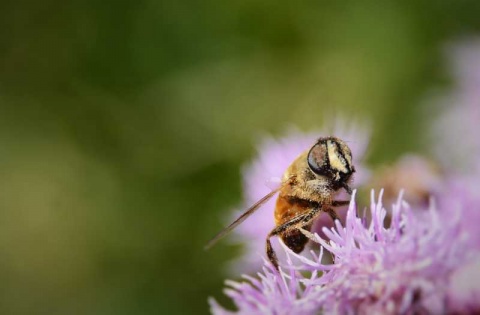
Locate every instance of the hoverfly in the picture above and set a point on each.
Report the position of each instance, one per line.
(308, 188)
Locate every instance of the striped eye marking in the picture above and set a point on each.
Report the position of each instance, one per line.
(338, 162)
(331, 157)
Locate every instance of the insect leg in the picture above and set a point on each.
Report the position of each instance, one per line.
(295, 223)
(348, 189)
(271, 253)
(339, 203)
(333, 215)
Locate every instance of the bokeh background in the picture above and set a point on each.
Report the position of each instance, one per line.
(124, 124)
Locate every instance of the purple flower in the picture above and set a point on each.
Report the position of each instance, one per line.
(461, 193)
(424, 260)
(416, 175)
(407, 268)
(464, 289)
(455, 133)
(274, 156)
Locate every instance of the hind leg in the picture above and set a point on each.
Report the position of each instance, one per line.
(290, 228)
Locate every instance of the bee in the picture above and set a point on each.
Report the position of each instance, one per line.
(308, 188)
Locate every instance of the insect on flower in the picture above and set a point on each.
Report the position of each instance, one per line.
(307, 189)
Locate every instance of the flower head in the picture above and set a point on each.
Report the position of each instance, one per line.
(464, 291)
(408, 267)
(417, 176)
(454, 139)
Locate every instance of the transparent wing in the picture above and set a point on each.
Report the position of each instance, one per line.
(243, 217)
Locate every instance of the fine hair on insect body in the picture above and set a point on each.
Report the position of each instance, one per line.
(308, 188)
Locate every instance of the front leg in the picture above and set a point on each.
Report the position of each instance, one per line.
(333, 215)
(340, 203)
(347, 188)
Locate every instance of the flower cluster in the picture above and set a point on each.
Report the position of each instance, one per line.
(453, 134)
(415, 257)
(409, 267)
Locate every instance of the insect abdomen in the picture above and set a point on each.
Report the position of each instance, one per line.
(295, 240)
(285, 210)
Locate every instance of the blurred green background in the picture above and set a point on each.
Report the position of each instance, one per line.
(123, 126)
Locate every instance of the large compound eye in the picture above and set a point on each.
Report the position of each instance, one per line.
(318, 159)
(339, 156)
